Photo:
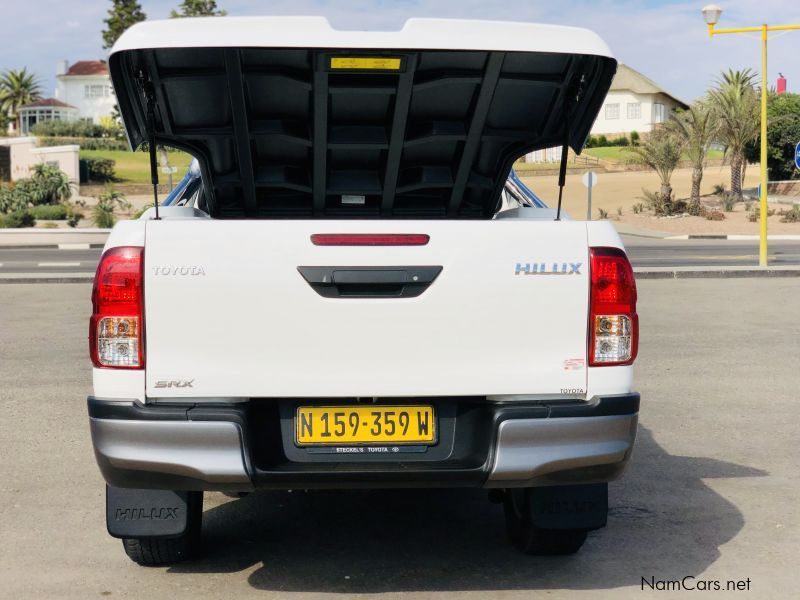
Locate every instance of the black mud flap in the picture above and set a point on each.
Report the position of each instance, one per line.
(570, 506)
(135, 513)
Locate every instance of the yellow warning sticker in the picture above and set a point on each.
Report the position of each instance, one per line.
(367, 63)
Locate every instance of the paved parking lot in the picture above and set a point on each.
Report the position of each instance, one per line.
(711, 492)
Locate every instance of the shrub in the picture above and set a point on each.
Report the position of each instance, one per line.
(791, 216)
(601, 140)
(103, 212)
(75, 217)
(718, 189)
(49, 212)
(654, 202)
(602, 213)
(620, 141)
(715, 215)
(679, 207)
(635, 137)
(728, 202)
(19, 218)
(84, 129)
(18, 196)
(86, 143)
(53, 184)
(638, 208)
(101, 169)
(142, 210)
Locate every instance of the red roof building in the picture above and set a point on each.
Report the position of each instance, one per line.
(86, 85)
(87, 67)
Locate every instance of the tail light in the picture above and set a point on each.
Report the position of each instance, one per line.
(115, 329)
(613, 322)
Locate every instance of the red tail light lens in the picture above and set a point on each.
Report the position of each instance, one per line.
(370, 239)
(613, 322)
(115, 329)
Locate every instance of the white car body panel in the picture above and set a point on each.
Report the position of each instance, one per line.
(252, 326)
(307, 32)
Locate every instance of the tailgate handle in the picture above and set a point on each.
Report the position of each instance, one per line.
(370, 282)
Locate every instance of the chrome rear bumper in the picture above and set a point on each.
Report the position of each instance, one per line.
(192, 448)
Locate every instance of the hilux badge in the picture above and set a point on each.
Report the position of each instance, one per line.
(562, 268)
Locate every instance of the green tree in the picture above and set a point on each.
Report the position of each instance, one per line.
(17, 88)
(198, 8)
(735, 104)
(696, 128)
(783, 134)
(121, 15)
(661, 151)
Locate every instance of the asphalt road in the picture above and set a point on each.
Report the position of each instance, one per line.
(711, 492)
(644, 252)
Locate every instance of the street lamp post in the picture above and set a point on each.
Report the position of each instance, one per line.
(711, 14)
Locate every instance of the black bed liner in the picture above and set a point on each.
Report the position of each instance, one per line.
(279, 134)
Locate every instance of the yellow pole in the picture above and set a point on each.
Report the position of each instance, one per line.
(762, 250)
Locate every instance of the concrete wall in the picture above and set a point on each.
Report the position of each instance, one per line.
(24, 155)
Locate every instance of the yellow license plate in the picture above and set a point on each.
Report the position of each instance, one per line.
(373, 424)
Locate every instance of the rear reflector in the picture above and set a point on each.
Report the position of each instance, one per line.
(370, 239)
(115, 329)
(613, 322)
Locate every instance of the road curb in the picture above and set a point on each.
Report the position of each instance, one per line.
(70, 246)
(710, 273)
(735, 237)
(46, 278)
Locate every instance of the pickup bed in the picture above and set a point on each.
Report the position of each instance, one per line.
(349, 300)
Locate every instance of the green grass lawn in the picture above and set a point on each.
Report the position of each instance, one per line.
(134, 167)
(621, 154)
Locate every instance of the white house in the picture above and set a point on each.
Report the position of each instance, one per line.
(86, 85)
(634, 103)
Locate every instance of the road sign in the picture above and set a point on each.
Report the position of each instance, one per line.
(797, 156)
(169, 170)
(589, 179)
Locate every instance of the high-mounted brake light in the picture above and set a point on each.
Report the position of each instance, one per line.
(613, 322)
(115, 329)
(370, 239)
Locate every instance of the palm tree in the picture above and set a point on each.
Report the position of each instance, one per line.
(734, 103)
(662, 153)
(17, 88)
(697, 129)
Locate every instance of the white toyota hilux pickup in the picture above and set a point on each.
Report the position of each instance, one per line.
(349, 302)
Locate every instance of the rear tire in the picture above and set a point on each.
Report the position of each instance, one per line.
(530, 539)
(156, 552)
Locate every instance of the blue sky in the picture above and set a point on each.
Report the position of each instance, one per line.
(665, 40)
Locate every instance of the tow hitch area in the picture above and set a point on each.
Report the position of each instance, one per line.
(135, 513)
